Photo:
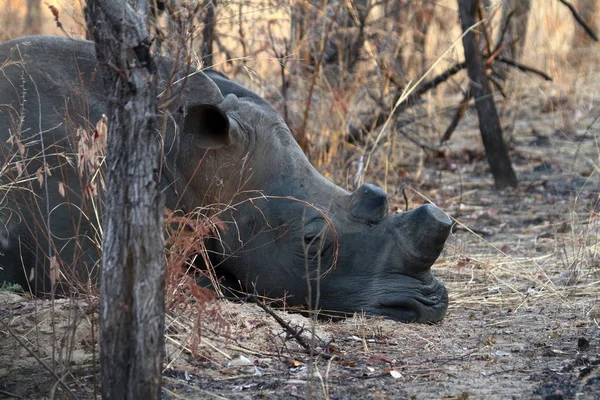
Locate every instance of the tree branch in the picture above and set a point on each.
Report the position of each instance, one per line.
(464, 104)
(580, 20)
(524, 68)
(292, 331)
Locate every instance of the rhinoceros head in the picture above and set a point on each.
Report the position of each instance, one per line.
(293, 234)
(290, 233)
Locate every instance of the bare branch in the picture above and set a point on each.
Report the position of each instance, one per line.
(580, 20)
(524, 68)
(460, 112)
(294, 332)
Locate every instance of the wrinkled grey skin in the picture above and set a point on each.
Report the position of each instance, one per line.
(286, 225)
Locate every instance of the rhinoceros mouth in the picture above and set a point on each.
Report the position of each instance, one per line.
(400, 312)
(426, 307)
(410, 311)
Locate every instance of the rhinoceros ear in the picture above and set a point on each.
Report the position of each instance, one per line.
(208, 124)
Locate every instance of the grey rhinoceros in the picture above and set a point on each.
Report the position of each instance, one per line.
(289, 233)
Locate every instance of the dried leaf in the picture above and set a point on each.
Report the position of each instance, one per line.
(350, 364)
(564, 228)
(101, 133)
(229, 371)
(463, 261)
(40, 176)
(54, 270)
(377, 359)
(61, 189)
(296, 363)
(55, 13)
(90, 191)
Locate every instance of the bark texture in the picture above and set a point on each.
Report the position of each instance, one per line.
(131, 303)
(489, 122)
(208, 32)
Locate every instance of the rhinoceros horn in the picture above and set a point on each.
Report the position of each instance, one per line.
(422, 233)
(369, 204)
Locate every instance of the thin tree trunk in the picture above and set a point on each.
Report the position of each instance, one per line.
(346, 40)
(515, 30)
(489, 123)
(588, 9)
(33, 18)
(208, 32)
(423, 18)
(132, 281)
(400, 13)
(301, 13)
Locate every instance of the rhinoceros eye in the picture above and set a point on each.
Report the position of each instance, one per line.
(310, 239)
(316, 239)
(313, 231)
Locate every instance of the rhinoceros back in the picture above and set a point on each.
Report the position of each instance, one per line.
(48, 94)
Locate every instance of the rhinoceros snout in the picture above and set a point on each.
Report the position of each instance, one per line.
(423, 232)
(369, 204)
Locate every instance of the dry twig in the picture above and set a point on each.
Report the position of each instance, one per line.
(295, 332)
(580, 20)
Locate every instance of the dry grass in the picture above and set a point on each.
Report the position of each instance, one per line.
(499, 261)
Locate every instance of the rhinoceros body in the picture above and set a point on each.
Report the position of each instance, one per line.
(289, 231)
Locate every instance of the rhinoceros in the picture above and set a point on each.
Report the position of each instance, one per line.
(286, 232)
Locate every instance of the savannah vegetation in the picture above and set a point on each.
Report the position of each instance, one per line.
(379, 91)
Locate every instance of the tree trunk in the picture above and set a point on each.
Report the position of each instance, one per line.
(33, 18)
(489, 123)
(131, 302)
(400, 12)
(588, 9)
(341, 53)
(208, 32)
(302, 13)
(424, 16)
(515, 30)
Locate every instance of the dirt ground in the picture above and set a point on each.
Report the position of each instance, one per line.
(521, 267)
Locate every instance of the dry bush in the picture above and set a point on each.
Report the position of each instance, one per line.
(494, 263)
(191, 306)
(254, 45)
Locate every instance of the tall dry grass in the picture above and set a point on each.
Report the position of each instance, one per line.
(254, 40)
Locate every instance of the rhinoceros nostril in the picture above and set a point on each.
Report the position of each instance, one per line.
(369, 204)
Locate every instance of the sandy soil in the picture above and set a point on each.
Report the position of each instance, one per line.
(538, 351)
